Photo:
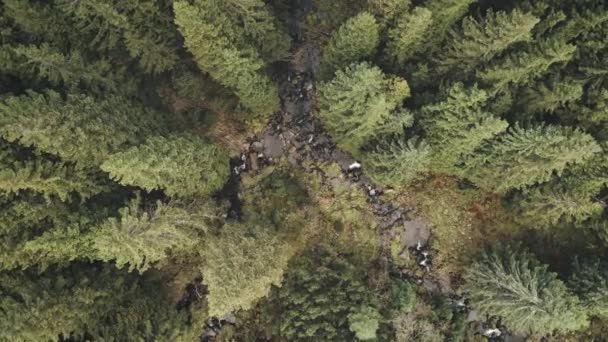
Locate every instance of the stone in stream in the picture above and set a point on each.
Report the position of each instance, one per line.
(273, 145)
(415, 232)
(257, 146)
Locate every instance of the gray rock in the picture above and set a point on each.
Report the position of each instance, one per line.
(273, 146)
(415, 231)
(257, 146)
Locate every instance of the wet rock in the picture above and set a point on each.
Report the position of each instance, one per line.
(473, 316)
(253, 161)
(229, 318)
(415, 231)
(257, 146)
(273, 145)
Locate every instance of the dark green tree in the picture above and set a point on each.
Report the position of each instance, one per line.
(354, 41)
(78, 128)
(220, 48)
(398, 162)
(241, 264)
(514, 285)
(457, 125)
(181, 165)
(144, 27)
(317, 296)
(524, 65)
(408, 34)
(361, 103)
(476, 42)
(524, 157)
(589, 280)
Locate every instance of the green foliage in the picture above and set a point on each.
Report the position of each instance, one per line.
(404, 296)
(240, 265)
(180, 165)
(261, 26)
(570, 198)
(478, 41)
(140, 237)
(364, 323)
(590, 281)
(355, 41)
(100, 302)
(408, 34)
(524, 157)
(388, 10)
(445, 13)
(456, 126)
(220, 47)
(79, 128)
(361, 103)
(45, 177)
(317, 295)
(529, 298)
(551, 95)
(143, 27)
(524, 65)
(46, 63)
(398, 163)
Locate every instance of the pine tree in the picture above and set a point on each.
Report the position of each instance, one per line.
(398, 162)
(569, 198)
(387, 10)
(220, 48)
(318, 293)
(241, 265)
(261, 26)
(79, 128)
(354, 41)
(83, 301)
(140, 237)
(45, 63)
(408, 34)
(514, 285)
(550, 95)
(590, 281)
(445, 13)
(478, 41)
(524, 157)
(458, 125)
(361, 103)
(142, 26)
(522, 66)
(181, 165)
(46, 177)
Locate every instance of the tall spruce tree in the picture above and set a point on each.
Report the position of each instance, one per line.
(46, 177)
(522, 66)
(361, 103)
(570, 198)
(78, 128)
(240, 265)
(525, 157)
(220, 47)
(397, 163)
(589, 280)
(354, 41)
(514, 285)
(144, 27)
(445, 14)
(478, 41)
(408, 34)
(140, 237)
(457, 125)
(181, 165)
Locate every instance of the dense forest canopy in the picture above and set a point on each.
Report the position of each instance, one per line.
(303, 170)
